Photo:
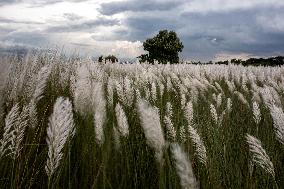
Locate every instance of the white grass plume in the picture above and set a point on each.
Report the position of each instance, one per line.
(99, 112)
(150, 121)
(20, 128)
(183, 168)
(121, 120)
(219, 100)
(183, 101)
(214, 114)
(154, 91)
(278, 122)
(60, 129)
(182, 134)
(241, 98)
(128, 96)
(188, 112)
(199, 145)
(256, 112)
(33, 114)
(171, 131)
(110, 93)
(229, 105)
(9, 137)
(169, 110)
(259, 155)
(41, 83)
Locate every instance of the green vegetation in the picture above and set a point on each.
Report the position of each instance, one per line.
(80, 124)
(164, 48)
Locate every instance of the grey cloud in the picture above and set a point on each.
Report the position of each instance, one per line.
(205, 35)
(5, 2)
(37, 3)
(84, 25)
(33, 38)
(7, 20)
(81, 44)
(138, 5)
(72, 16)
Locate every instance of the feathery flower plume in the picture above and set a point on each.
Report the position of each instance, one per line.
(154, 91)
(188, 112)
(182, 134)
(214, 114)
(256, 112)
(194, 93)
(20, 128)
(183, 101)
(138, 94)
(60, 129)
(183, 168)
(241, 98)
(231, 86)
(42, 79)
(229, 105)
(150, 121)
(214, 97)
(9, 137)
(171, 132)
(219, 87)
(199, 145)
(259, 155)
(33, 114)
(82, 90)
(162, 88)
(99, 112)
(169, 110)
(119, 91)
(110, 93)
(128, 92)
(121, 120)
(169, 84)
(278, 122)
(219, 100)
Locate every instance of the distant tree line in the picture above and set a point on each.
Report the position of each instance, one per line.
(272, 61)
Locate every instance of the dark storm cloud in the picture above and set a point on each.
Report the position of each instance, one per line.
(236, 31)
(83, 25)
(137, 6)
(207, 34)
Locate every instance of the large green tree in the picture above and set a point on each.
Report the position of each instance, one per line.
(164, 48)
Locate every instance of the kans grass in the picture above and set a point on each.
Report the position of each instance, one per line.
(67, 122)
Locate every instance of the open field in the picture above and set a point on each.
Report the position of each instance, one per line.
(72, 123)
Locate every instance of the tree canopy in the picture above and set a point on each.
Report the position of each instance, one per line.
(164, 47)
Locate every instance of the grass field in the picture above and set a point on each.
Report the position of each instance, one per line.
(67, 122)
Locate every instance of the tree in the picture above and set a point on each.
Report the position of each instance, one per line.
(164, 48)
(101, 58)
(111, 58)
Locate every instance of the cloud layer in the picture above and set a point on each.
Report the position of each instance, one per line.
(209, 29)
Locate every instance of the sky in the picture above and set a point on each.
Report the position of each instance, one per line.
(209, 29)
